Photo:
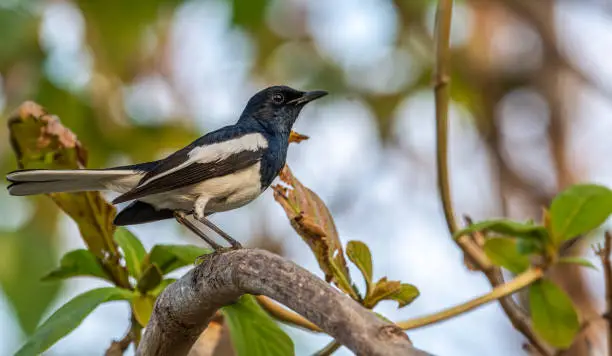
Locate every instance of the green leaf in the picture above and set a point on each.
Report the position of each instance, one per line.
(142, 306)
(341, 279)
(578, 261)
(504, 252)
(579, 209)
(359, 253)
(383, 289)
(405, 295)
(253, 332)
(68, 317)
(506, 227)
(529, 246)
(133, 251)
(150, 279)
(163, 285)
(77, 263)
(25, 255)
(553, 314)
(171, 257)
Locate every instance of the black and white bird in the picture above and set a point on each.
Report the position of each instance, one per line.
(222, 170)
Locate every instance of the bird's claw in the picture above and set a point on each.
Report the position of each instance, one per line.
(236, 246)
(202, 258)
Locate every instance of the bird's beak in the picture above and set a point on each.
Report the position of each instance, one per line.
(308, 97)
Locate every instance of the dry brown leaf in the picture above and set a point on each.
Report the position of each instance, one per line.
(297, 137)
(41, 141)
(313, 222)
(383, 289)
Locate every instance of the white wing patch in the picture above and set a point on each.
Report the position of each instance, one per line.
(218, 152)
(221, 150)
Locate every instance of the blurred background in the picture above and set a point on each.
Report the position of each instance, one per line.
(530, 114)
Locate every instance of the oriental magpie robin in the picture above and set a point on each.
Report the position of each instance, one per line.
(222, 170)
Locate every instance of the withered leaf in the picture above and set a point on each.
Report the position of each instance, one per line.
(313, 222)
(383, 289)
(297, 137)
(41, 141)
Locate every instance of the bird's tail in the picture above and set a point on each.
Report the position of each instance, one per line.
(43, 181)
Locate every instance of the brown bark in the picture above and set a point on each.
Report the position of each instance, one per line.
(186, 307)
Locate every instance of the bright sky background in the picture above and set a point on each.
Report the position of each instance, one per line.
(391, 203)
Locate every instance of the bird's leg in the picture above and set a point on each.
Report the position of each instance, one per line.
(235, 244)
(199, 212)
(181, 217)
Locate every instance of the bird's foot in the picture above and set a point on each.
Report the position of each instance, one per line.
(235, 245)
(217, 251)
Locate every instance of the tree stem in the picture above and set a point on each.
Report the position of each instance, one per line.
(521, 281)
(442, 98)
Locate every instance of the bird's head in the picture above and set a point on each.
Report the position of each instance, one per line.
(276, 108)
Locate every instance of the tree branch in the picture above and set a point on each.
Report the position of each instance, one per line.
(285, 315)
(604, 255)
(329, 349)
(520, 282)
(442, 97)
(184, 309)
(471, 250)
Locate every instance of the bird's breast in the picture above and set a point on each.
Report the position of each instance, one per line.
(224, 193)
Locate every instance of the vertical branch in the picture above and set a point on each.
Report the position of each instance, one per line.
(442, 97)
(604, 255)
(608, 275)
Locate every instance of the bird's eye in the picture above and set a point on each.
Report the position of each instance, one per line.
(278, 98)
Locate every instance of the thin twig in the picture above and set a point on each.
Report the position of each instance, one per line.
(521, 281)
(135, 330)
(469, 247)
(604, 255)
(329, 349)
(442, 97)
(285, 315)
(117, 348)
(519, 319)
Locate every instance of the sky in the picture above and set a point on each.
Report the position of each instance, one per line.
(375, 193)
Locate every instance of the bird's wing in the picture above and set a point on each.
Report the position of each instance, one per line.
(217, 154)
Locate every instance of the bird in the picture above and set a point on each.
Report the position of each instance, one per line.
(223, 170)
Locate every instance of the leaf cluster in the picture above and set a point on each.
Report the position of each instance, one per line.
(518, 246)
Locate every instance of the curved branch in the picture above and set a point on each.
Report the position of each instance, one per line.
(185, 308)
(285, 315)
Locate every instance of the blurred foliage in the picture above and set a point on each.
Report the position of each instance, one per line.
(68, 317)
(115, 30)
(575, 211)
(118, 37)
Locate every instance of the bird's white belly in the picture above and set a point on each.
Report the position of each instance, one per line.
(224, 193)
